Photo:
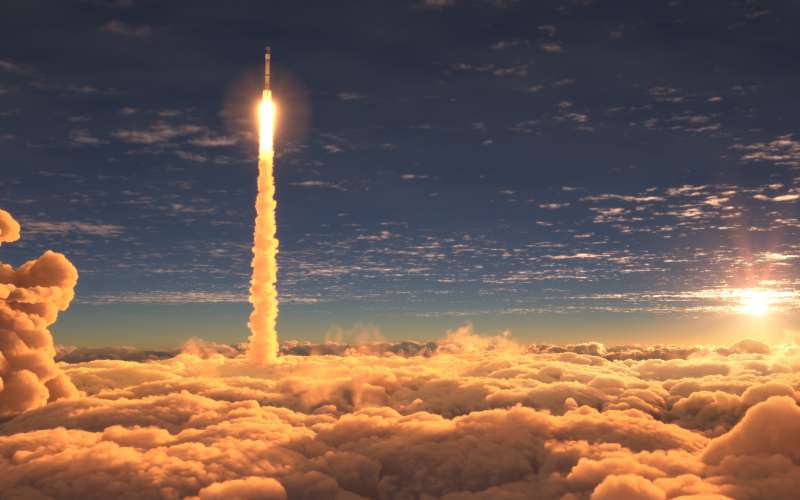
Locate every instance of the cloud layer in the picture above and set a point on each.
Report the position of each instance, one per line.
(468, 417)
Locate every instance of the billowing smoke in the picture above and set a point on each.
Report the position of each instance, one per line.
(263, 291)
(30, 300)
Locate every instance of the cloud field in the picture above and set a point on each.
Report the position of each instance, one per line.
(476, 418)
(465, 417)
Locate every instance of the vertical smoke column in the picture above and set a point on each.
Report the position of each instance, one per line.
(263, 347)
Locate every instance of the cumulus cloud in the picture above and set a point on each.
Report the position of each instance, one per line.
(255, 488)
(628, 486)
(31, 297)
(771, 428)
(9, 228)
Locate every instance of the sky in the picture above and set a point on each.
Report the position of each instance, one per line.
(563, 170)
(526, 249)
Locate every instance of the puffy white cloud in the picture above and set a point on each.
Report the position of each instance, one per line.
(770, 428)
(254, 487)
(30, 300)
(9, 228)
(629, 486)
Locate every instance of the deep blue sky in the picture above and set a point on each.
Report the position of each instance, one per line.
(565, 169)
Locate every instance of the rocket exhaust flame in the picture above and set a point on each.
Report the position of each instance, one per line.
(266, 122)
(263, 347)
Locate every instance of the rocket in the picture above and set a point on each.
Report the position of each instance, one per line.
(267, 84)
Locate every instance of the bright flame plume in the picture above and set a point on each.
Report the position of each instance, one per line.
(263, 347)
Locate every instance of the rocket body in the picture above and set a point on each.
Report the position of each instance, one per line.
(267, 83)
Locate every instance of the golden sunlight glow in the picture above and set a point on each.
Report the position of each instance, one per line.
(266, 122)
(754, 302)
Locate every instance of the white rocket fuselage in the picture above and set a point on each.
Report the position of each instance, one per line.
(267, 83)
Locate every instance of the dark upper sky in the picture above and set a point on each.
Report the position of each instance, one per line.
(565, 169)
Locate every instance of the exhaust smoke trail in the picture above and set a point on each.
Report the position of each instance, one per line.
(263, 348)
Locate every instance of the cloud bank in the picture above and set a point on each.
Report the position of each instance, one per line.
(31, 297)
(467, 417)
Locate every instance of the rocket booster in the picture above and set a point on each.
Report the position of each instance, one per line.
(267, 83)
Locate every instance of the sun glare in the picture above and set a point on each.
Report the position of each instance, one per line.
(754, 303)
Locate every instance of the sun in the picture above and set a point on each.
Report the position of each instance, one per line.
(754, 303)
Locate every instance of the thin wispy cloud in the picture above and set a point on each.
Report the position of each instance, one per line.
(116, 27)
